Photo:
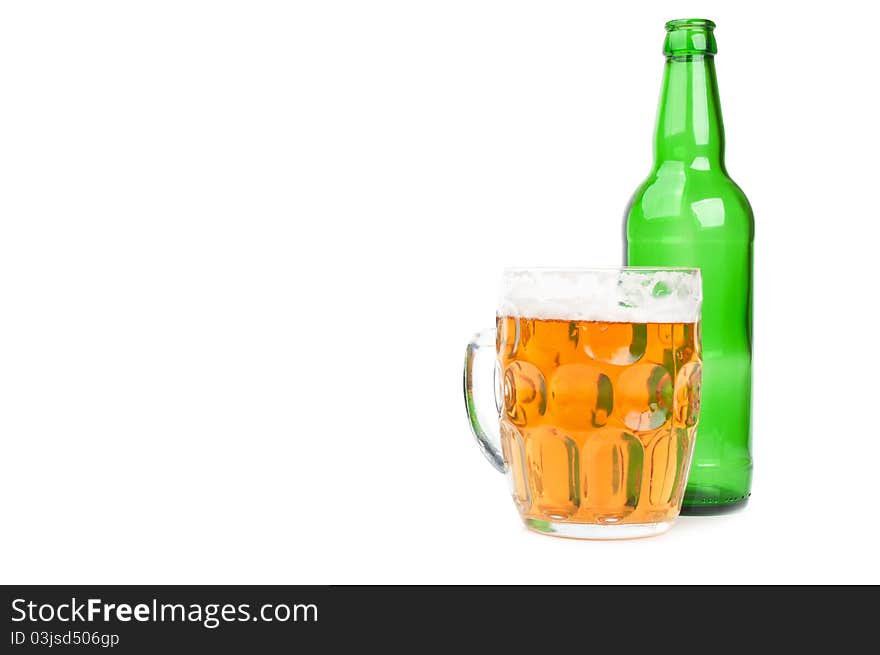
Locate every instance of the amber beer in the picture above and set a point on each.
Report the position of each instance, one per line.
(599, 418)
(596, 396)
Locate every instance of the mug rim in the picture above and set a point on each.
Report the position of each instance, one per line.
(598, 269)
(658, 294)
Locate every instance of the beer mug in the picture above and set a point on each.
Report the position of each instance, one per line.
(596, 396)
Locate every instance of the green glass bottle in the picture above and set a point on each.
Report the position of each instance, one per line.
(690, 213)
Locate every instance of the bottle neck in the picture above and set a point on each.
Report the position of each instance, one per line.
(689, 127)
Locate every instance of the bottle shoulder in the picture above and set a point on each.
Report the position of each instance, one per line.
(706, 200)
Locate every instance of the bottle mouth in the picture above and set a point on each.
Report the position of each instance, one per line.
(684, 23)
(690, 36)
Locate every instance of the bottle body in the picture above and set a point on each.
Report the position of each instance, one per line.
(717, 238)
(688, 212)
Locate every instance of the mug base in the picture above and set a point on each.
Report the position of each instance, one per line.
(597, 531)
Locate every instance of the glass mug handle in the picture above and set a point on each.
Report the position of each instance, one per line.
(484, 422)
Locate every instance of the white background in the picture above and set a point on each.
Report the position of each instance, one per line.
(243, 245)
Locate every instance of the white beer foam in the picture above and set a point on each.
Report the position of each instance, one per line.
(629, 295)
